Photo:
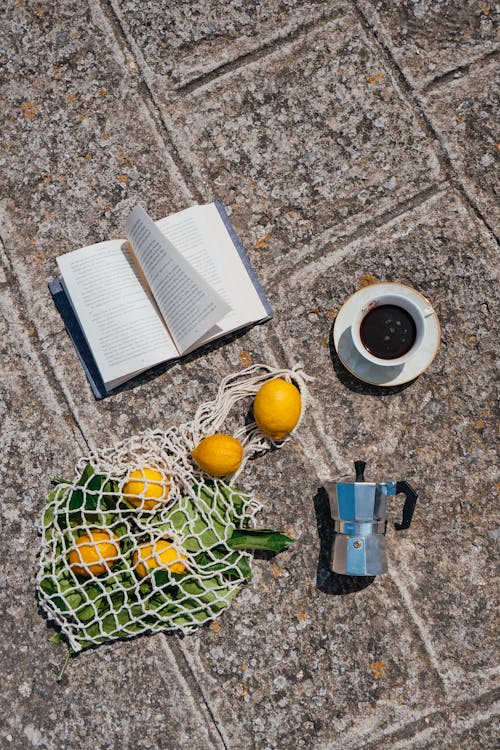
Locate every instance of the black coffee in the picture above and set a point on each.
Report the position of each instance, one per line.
(388, 331)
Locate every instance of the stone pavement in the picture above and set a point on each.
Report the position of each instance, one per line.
(347, 139)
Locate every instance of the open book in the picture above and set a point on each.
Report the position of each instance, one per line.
(170, 287)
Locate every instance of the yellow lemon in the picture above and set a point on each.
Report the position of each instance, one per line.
(146, 488)
(218, 454)
(277, 408)
(160, 554)
(94, 553)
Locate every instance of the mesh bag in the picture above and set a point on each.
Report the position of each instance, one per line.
(159, 549)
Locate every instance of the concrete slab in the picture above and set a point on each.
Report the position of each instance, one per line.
(437, 431)
(456, 727)
(297, 117)
(183, 42)
(428, 39)
(304, 138)
(464, 112)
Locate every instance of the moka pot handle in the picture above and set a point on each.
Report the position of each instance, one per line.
(409, 506)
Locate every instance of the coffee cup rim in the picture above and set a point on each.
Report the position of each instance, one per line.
(388, 297)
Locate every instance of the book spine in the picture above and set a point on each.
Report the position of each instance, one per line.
(79, 341)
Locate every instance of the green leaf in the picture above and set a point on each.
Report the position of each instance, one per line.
(117, 599)
(59, 602)
(231, 565)
(243, 567)
(48, 586)
(87, 472)
(183, 619)
(109, 624)
(65, 583)
(92, 590)
(234, 498)
(167, 610)
(192, 587)
(263, 539)
(206, 591)
(85, 613)
(178, 519)
(76, 501)
(120, 529)
(57, 638)
(94, 630)
(102, 605)
(93, 488)
(191, 544)
(91, 503)
(195, 523)
(137, 610)
(73, 600)
(208, 538)
(201, 615)
(161, 577)
(48, 516)
(123, 616)
(134, 627)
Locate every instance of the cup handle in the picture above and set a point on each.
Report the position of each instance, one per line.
(408, 507)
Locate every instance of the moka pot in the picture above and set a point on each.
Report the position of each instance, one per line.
(359, 511)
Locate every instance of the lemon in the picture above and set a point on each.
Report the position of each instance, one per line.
(160, 554)
(94, 553)
(146, 488)
(218, 454)
(277, 408)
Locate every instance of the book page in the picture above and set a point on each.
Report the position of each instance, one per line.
(189, 304)
(200, 235)
(116, 310)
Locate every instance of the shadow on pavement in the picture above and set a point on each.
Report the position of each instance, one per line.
(326, 580)
(359, 386)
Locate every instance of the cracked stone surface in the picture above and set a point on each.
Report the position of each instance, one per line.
(430, 39)
(465, 113)
(189, 39)
(316, 135)
(336, 173)
(445, 445)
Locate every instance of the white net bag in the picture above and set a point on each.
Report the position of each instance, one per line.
(143, 540)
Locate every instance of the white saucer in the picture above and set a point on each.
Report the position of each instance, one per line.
(380, 374)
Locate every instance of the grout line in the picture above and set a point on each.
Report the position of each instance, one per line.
(367, 740)
(424, 119)
(179, 655)
(127, 42)
(342, 244)
(450, 75)
(424, 722)
(292, 34)
(50, 375)
(396, 212)
(424, 634)
(421, 720)
(122, 37)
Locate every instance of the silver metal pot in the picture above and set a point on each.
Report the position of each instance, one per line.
(359, 511)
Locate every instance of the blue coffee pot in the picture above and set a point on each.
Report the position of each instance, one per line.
(359, 512)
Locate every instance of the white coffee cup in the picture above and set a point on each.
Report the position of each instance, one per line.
(388, 298)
